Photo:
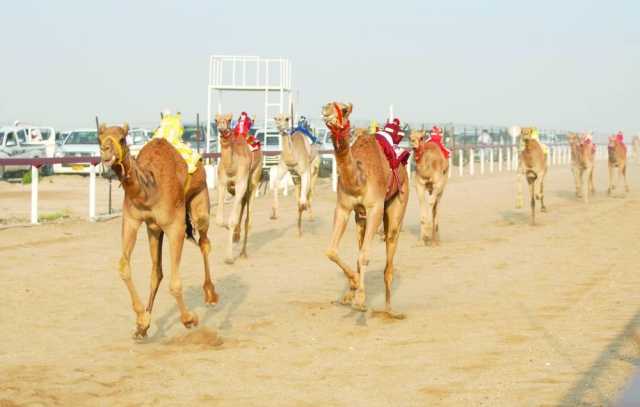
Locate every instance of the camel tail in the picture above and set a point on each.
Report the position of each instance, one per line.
(189, 226)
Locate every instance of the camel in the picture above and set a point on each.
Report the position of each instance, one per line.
(302, 160)
(432, 170)
(617, 159)
(533, 164)
(635, 144)
(239, 173)
(364, 175)
(582, 162)
(159, 192)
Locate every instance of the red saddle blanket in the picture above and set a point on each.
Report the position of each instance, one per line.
(438, 141)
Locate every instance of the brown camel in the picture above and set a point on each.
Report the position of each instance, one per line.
(239, 173)
(532, 164)
(364, 175)
(582, 160)
(635, 144)
(302, 160)
(432, 169)
(159, 192)
(617, 160)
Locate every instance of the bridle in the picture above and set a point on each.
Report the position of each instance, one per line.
(119, 154)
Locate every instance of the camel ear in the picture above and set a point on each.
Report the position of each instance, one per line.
(102, 128)
(348, 108)
(125, 128)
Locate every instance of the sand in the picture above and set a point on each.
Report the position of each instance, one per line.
(501, 314)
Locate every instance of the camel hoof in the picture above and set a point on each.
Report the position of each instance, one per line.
(273, 217)
(243, 255)
(142, 325)
(543, 209)
(228, 260)
(210, 295)
(191, 320)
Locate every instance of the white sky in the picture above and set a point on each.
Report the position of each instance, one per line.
(570, 64)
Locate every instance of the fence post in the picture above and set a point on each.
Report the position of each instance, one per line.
(515, 159)
(491, 160)
(472, 164)
(460, 161)
(482, 161)
(500, 159)
(509, 151)
(334, 174)
(92, 192)
(34, 195)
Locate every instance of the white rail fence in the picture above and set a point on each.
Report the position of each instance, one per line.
(488, 160)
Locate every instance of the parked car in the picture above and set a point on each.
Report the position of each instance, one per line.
(13, 144)
(79, 143)
(270, 142)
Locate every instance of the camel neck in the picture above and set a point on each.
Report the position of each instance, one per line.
(127, 173)
(347, 168)
(287, 148)
(226, 150)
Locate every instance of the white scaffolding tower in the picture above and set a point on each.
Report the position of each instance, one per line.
(228, 73)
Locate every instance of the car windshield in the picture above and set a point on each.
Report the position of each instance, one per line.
(138, 136)
(189, 135)
(1, 138)
(82, 137)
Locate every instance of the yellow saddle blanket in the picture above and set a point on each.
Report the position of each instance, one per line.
(171, 129)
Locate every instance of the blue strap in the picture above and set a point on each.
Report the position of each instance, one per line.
(307, 133)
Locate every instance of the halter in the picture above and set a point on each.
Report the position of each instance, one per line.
(119, 154)
(339, 113)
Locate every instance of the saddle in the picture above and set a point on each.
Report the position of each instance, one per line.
(307, 133)
(395, 182)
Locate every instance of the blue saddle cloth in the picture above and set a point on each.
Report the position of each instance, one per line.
(307, 133)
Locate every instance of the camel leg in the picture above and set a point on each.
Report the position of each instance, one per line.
(156, 236)
(129, 233)
(610, 188)
(312, 185)
(586, 175)
(435, 232)
(592, 187)
(175, 234)
(199, 207)
(577, 178)
(247, 222)
(234, 218)
(374, 219)
(222, 185)
(394, 213)
(533, 202)
(424, 212)
(623, 170)
(340, 219)
(280, 172)
(543, 208)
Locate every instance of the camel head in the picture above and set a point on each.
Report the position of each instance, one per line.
(572, 138)
(113, 144)
(336, 115)
(282, 122)
(415, 137)
(223, 124)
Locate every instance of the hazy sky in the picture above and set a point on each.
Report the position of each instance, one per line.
(568, 64)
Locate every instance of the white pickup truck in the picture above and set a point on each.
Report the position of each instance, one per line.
(13, 144)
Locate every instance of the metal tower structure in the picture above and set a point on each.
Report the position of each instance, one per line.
(228, 73)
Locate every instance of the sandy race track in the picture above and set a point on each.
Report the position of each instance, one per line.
(501, 314)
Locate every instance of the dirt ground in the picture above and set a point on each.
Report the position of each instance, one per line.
(501, 314)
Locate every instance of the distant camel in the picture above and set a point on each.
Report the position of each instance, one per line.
(635, 143)
(617, 160)
(159, 192)
(239, 173)
(583, 154)
(364, 176)
(302, 160)
(533, 165)
(432, 169)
